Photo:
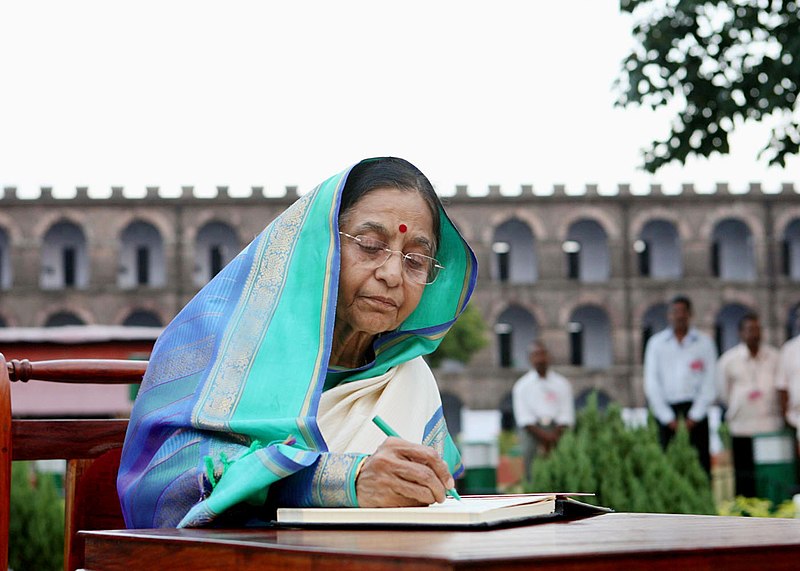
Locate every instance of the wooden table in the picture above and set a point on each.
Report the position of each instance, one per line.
(605, 542)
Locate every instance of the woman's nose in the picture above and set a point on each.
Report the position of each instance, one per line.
(391, 271)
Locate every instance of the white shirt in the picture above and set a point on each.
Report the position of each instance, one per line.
(538, 400)
(679, 372)
(789, 379)
(746, 386)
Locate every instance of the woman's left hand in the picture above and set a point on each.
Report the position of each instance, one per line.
(401, 473)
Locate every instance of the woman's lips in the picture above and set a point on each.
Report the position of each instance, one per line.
(382, 301)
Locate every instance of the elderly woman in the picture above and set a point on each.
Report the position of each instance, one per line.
(262, 389)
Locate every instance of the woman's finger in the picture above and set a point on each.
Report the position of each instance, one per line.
(423, 466)
(418, 475)
(426, 455)
(401, 473)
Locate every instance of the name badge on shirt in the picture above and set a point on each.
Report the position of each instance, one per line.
(754, 394)
(697, 366)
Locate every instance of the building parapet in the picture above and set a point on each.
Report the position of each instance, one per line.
(462, 192)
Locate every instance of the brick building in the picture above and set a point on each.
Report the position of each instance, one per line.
(589, 273)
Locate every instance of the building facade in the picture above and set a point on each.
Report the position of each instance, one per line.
(590, 273)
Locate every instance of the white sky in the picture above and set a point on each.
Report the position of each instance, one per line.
(254, 93)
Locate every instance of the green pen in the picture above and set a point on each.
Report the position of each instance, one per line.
(389, 431)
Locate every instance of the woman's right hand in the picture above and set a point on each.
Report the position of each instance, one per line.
(401, 473)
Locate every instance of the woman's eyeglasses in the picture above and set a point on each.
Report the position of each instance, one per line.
(418, 268)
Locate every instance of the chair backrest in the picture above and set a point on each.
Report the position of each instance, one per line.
(90, 447)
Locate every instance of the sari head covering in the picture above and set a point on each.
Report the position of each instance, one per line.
(229, 402)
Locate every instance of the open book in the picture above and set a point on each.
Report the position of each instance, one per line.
(472, 511)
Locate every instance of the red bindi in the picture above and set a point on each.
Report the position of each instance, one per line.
(403, 228)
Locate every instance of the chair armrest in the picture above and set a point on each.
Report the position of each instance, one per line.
(102, 371)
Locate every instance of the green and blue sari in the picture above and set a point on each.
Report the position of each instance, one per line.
(229, 405)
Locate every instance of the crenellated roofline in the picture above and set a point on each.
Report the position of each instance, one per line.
(491, 193)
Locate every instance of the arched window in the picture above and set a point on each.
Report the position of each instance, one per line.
(653, 321)
(727, 325)
(142, 318)
(63, 318)
(514, 251)
(451, 407)
(586, 249)
(793, 322)
(603, 400)
(732, 256)
(141, 257)
(5, 260)
(216, 245)
(515, 329)
(507, 420)
(791, 250)
(590, 337)
(65, 258)
(659, 250)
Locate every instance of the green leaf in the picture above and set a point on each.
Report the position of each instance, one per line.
(467, 336)
(705, 52)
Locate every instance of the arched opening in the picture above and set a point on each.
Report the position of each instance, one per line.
(586, 250)
(793, 322)
(514, 251)
(507, 421)
(142, 318)
(658, 250)
(65, 258)
(653, 321)
(727, 325)
(732, 256)
(5, 260)
(63, 318)
(590, 337)
(451, 407)
(216, 245)
(603, 400)
(141, 254)
(515, 329)
(791, 250)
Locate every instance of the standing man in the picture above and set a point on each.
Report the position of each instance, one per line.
(543, 406)
(679, 378)
(789, 384)
(746, 380)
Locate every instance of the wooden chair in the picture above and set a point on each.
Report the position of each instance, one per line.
(91, 448)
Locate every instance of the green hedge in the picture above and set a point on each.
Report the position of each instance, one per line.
(757, 507)
(625, 467)
(36, 526)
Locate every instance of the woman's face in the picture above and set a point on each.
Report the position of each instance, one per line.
(373, 300)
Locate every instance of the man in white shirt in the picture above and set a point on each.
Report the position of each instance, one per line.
(746, 377)
(789, 383)
(679, 378)
(543, 406)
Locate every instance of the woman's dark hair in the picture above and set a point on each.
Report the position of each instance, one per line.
(389, 172)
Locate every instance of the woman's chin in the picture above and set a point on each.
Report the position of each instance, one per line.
(377, 325)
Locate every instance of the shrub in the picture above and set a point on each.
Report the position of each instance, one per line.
(36, 526)
(465, 338)
(757, 507)
(625, 467)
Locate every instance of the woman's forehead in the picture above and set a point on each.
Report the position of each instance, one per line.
(390, 212)
(419, 236)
